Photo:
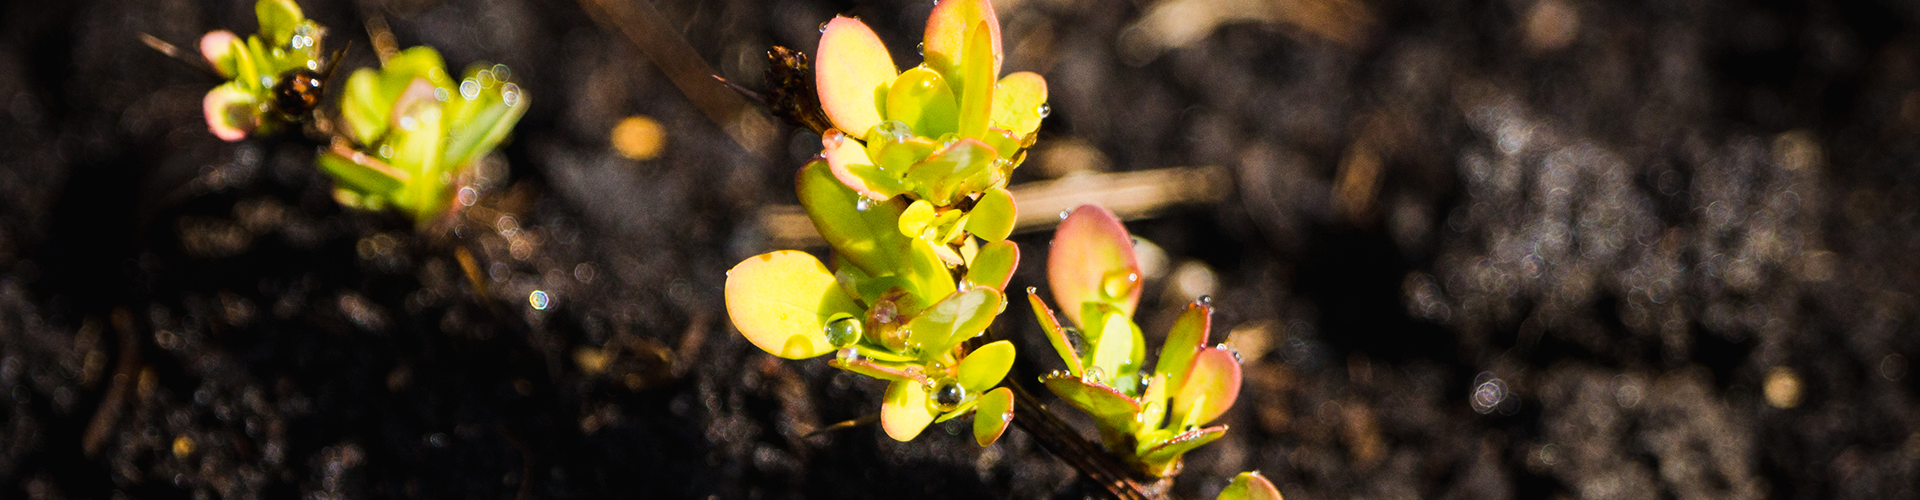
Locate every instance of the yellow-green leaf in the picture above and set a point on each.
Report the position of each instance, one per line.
(1165, 452)
(1249, 486)
(1186, 338)
(953, 172)
(992, 218)
(905, 412)
(851, 71)
(979, 64)
(848, 159)
(956, 318)
(221, 48)
(921, 99)
(1092, 260)
(1111, 410)
(781, 302)
(993, 413)
(945, 39)
(984, 367)
(993, 264)
(1212, 385)
(1056, 334)
(1017, 103)
(277, 19)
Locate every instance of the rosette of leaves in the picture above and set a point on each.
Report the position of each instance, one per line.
(1149, 418)
(914, 206)
(257, 66)
(411, 129)
(1249, 486)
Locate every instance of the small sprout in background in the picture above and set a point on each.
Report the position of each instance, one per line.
(909, 191)
(1249, 486)
(411, 130)
(274, 78)
(1151, 418)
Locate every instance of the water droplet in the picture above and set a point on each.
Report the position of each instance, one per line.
(501, 73)
(1006, 417)
(1205, 300)
(1030, 290)
(510, 94)
(1231, 350)
(1488, 394)
(1096, 375)
(1045, 109)
(848, 355)
(843, 332)
(467, 196)
(862, 204)
(833, 138)
(922, 47)
(539, 300)
(892, 130)
(1064, 213)
(1119, 284)
(440, 94)
(1075, 339)
(823, 27)
(470, 89)
(948, 394)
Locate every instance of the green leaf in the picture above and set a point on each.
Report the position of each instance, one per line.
(916, 218)
(222, 50)
(992, 218)
(231, 112)
(1112, 411)
(360, 173)
(781, 302)
(956, 171)
(905, 412)
(1017, 100)
(956, 318)
(1092, 260)
(364, 108)
(994, 413)
(851, 71)
(1212, 385)
(1153, 404)
(418, 127)
(946, 39)
(1186, 338)
(481, 124)
(848, 159)
(1249, 486)
(921, 99)
(979, 64)
(1056, 334)
(984, 367)
(278, 18)
(869, 238)
(993, 265)
(1113, 337)
(1165, 452)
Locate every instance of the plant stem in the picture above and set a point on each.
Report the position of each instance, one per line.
(1089, 458)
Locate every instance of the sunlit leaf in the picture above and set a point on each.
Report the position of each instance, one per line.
(230, 112)
(979, 64)
(952, 172)
(1056, 334)
(992, 218)
(1212, 386)
(1249, 486)
(1092, 260)
(1171, 449)
(781, 302)
(851, 71)
(418, 127)
(916, 218)
(221, 48)
(946, 36)
(1113, 337)
(1187, 337)
(365, 108)
(984, 367)
(361, 173)
(278, 18)
(905, 412)
(1110, 409)
(848, 159)
(1017, 100)
(994, 412)
(993, 265)
(1153, 403)
(956, 318)
(921, 99)
(867, 233)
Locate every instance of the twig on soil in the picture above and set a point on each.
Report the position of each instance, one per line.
(125, 373)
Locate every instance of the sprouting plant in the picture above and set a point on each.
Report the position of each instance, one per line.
(909, 191)
(274, 77)
(1148, 418)
(411, 130)
(1249, 486)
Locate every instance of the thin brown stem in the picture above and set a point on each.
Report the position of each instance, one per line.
(1089, 458)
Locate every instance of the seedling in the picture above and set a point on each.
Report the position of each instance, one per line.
(411, 129)
(1151, 418)
(909, 191)
(274, 78)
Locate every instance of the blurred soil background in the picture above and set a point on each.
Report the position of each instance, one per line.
(1469, 249)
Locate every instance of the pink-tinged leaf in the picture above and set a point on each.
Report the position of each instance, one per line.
(1186, 338)
(956, 318)
(1092, 260)
(1111, 410)
(219, 47)
(984, 367)
(1165, 452)
(1249, 486)
(905, 412)
(848, 159)
(976, 101)
(992, 218)
(921, 99)
(993, 265)
(781, 302)
(953, 172)
(1056, 334)
(891, 371)
(1212, 385)
(1017, 103)
(231, 113)
(851, 70)
(946, 36)
(994, 413)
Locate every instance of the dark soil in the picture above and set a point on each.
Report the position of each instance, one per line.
(1510, 249)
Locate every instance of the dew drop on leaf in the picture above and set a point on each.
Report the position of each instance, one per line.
(893, 130)
(823, 27)
(1065, 213)
(848, 355)
(948, 394)
(922, 47)
(1205, 300)
(1044, 110)
(1119, 283)
(863, 204)
(843, 332)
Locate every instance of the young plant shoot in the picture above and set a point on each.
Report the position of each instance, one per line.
(1249, 486)
(411, 130)
(909, 191)
(274, 78)
(1151, 418)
